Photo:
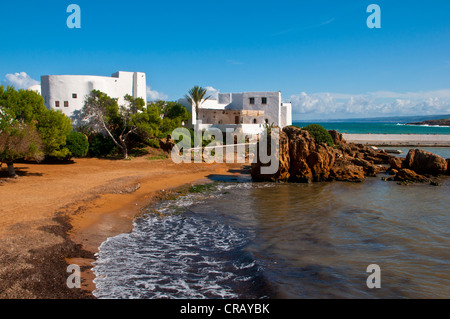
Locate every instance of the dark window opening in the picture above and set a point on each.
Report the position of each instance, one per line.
(56, 103)
(267, 121)
(252, 100)
(66, 103)
(263, 100)
(236, 120)
(254, 121)
(74, 95)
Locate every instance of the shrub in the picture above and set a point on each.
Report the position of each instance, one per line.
(77, 144)
(153, 142)
(319, 133)
(100, 146)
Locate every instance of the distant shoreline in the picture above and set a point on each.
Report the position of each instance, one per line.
(424, 140)
(443, 122)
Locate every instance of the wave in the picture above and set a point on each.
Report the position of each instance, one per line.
(175, 255)
(423, 125)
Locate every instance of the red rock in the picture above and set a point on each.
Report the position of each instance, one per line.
(424, 162)
(396, 163)
(337, 137)
(304, 160)
(409, 175)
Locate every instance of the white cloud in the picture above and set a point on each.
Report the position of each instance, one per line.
(19, 80)
(381, 103)
(153, 95)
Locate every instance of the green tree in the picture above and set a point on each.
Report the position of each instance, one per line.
(17, 140)
(53, 127)
(196, 96)
(28, 107)
(102, 113)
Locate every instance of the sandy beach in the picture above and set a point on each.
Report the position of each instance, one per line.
(430, 140)
(53, 215)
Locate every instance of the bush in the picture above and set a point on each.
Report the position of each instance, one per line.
(100, 146)
(319, 133)
(77, 144)
(153, 142)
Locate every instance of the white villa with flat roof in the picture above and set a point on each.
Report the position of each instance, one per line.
(67, 92)
(247, 111)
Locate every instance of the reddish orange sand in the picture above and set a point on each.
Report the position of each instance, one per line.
(100, 196)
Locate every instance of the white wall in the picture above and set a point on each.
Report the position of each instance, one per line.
(61, 87)
(286, 114)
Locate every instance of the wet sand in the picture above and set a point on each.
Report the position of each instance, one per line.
(53, 215)
(429, 140)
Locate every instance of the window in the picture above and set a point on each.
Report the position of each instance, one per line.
(56, 103)
(66, 103)
(251, 100)
(74, 95)
(263, 100)
(254, 121)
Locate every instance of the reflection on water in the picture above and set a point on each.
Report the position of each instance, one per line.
(290, 240)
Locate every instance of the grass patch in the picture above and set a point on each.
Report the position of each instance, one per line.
(156, 157)
(201, 188)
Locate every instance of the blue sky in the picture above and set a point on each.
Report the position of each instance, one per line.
(320, 54)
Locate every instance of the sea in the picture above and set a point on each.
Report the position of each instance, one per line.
(379, 127)
(242, 239)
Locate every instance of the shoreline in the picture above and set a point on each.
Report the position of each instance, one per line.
(113, 215)
(66, 211)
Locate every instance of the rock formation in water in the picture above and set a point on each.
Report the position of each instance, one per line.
(407, 175)
(423, 162)
(302, 159)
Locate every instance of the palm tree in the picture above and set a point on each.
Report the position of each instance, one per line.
(196, 96)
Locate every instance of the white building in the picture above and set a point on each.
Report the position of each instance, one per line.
(247, 111)
(67, 92)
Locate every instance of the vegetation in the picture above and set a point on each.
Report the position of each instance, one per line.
(17, 140)
(77, 144)
(319, 133)
(100, 146)
(128, 126)
(28, 129)
(196, 96)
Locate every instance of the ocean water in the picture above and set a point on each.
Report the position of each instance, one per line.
(267, 240)
(380, 128)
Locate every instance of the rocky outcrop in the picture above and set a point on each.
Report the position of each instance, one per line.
(396, 163)
(302, 159)
(423, 162)
(407, 175)
(337, 137)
